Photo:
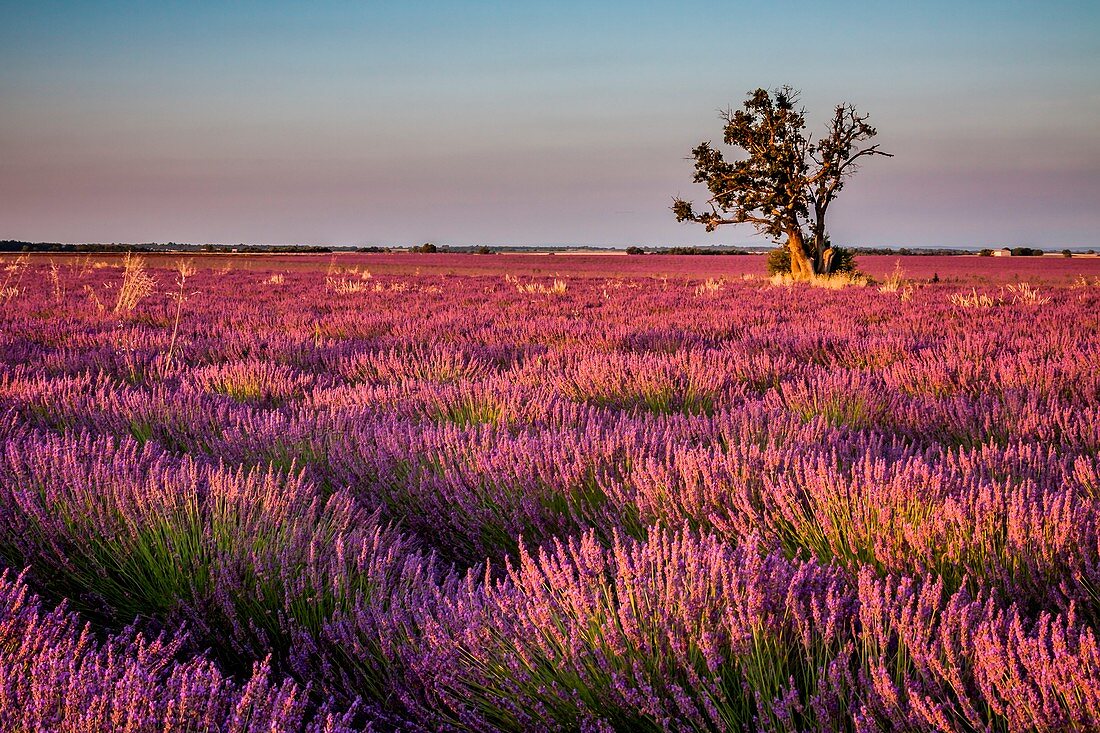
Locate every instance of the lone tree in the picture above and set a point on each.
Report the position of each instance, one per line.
(785, 179)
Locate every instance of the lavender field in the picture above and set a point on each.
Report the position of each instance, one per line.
(527, 493)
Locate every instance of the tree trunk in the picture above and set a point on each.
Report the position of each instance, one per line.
(802, 268)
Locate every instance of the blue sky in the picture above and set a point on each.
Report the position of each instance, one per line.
(515, 123)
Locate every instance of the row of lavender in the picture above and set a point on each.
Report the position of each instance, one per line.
(601, 503)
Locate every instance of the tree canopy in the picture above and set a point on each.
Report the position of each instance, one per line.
(784, 180)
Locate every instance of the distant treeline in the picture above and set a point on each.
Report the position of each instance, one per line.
(910, 251)
(1016, 252)
(688, 251)
(905, 251)
(11, 245)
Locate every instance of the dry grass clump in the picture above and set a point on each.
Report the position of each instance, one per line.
(557, 287)
(136, 284)
(97, 302)
(710, 286)
(184, 270)
(342, 286)
(352, 272)
(1025, 294)
(973, 299)
(13, 273)
(1022, 294)
(55, 281)
(894, 281)
(836, 281)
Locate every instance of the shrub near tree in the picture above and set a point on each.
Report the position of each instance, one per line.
(779, 260)
(785, 181)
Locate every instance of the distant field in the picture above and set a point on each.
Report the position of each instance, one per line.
(965, 268)
(531, 492)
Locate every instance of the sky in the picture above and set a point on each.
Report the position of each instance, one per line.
(395, 123)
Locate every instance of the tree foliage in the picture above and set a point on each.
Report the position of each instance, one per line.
(784, 181)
